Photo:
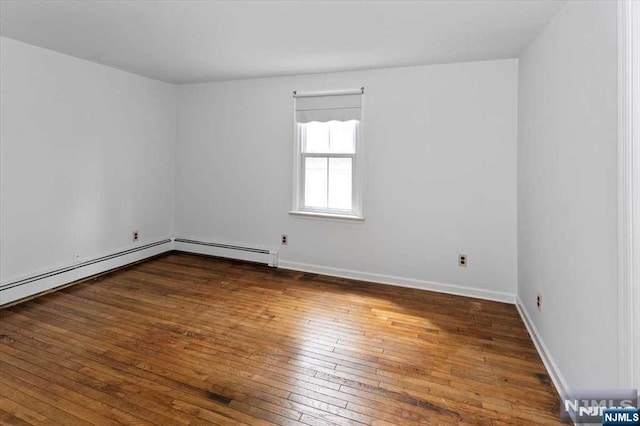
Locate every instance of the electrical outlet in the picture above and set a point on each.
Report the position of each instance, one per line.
(134, 236)
(539, 301)
(462, 260)
(284, 239)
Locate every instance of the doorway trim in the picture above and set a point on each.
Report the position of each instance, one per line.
(629, 193)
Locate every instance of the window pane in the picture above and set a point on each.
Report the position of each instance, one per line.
(315, 185)
(317, 137)
(342, 137)
(340, 183)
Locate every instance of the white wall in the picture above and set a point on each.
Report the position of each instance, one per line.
(86, 158)
(440, 172)
(567, 205)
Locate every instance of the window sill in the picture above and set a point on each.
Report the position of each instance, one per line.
(330, 216)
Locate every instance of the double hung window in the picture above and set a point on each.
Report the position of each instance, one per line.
(328, 155)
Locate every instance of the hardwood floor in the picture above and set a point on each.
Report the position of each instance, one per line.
(185, 339)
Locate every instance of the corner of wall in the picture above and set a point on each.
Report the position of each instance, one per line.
(547, 359)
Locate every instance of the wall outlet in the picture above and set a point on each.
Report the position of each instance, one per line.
(76, 256)
(284, 240)
(462, 260)
(135, 235)
(539, 301)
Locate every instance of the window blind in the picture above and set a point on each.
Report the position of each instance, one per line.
(340, 106)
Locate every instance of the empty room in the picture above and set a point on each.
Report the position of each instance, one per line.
(319, 212)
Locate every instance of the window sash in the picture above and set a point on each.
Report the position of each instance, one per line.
(303, 183)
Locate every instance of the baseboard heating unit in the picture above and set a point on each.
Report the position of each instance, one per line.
(232, 251)
(46, 281)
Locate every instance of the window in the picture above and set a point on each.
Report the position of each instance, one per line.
(328, 152)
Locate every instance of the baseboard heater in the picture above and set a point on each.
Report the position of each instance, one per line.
(50, 280)
(252, 254)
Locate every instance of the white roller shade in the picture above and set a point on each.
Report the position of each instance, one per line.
(328, 107)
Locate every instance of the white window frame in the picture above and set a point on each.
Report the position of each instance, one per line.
(357, 180)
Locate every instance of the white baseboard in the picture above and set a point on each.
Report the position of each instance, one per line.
(400, 281)
(552, 368)
(228, 250)
(30, 286)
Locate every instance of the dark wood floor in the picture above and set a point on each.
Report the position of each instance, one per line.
(185, 339)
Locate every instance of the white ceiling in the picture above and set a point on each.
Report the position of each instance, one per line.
(196, 41)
